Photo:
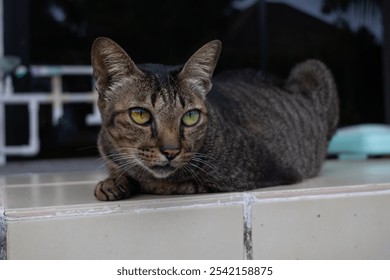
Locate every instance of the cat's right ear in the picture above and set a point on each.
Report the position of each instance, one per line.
(198, 70)
(111, 64)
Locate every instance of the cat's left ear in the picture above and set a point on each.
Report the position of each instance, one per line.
(199, 69)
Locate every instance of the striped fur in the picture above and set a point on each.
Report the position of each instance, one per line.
(251, 132)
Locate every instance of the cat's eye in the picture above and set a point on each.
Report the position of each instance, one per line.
(140, 116)
(191, 118)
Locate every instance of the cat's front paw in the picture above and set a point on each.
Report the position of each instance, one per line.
(114, 189)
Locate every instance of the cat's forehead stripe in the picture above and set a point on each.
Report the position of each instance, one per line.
(164, 93)
(182, 101)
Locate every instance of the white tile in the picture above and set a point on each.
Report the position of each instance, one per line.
(350, 226)
(208, 232)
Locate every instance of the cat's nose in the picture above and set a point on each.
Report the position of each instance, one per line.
(170, 152)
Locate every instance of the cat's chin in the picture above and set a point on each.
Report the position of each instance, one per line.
(162, 172)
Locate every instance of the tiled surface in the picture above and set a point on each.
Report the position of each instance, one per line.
(343, 213)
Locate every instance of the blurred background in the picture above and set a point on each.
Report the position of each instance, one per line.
(349, 36)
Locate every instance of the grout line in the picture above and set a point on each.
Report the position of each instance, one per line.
(3, 237)
(248, 200)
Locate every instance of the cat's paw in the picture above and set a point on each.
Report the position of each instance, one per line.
(113, 189)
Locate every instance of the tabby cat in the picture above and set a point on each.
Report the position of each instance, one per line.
(174, 130)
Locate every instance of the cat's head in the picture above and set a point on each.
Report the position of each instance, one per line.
(154, 117)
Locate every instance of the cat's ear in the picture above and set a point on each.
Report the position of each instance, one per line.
(199, 69)
(111, 63)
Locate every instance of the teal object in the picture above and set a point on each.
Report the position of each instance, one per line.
(361, 141)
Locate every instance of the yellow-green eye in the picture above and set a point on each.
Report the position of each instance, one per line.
(191, 118)
(140, 116)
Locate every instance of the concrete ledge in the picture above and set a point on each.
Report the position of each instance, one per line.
(342, 214)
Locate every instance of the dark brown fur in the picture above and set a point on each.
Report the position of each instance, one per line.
(250, 134)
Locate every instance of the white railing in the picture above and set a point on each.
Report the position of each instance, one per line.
(57, 98)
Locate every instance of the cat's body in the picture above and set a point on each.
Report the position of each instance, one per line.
(165, 132)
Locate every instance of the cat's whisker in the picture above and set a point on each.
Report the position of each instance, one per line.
(125, 167)
(118, 157)
(126, 163)
(102, 158)
(192, 173)
(102, 166)
(204, 156)
(205, 162)
(204, 171)
(118, 154)
(126, 149)
(125, 160)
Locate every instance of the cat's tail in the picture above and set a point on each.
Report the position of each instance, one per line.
(313, 79)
